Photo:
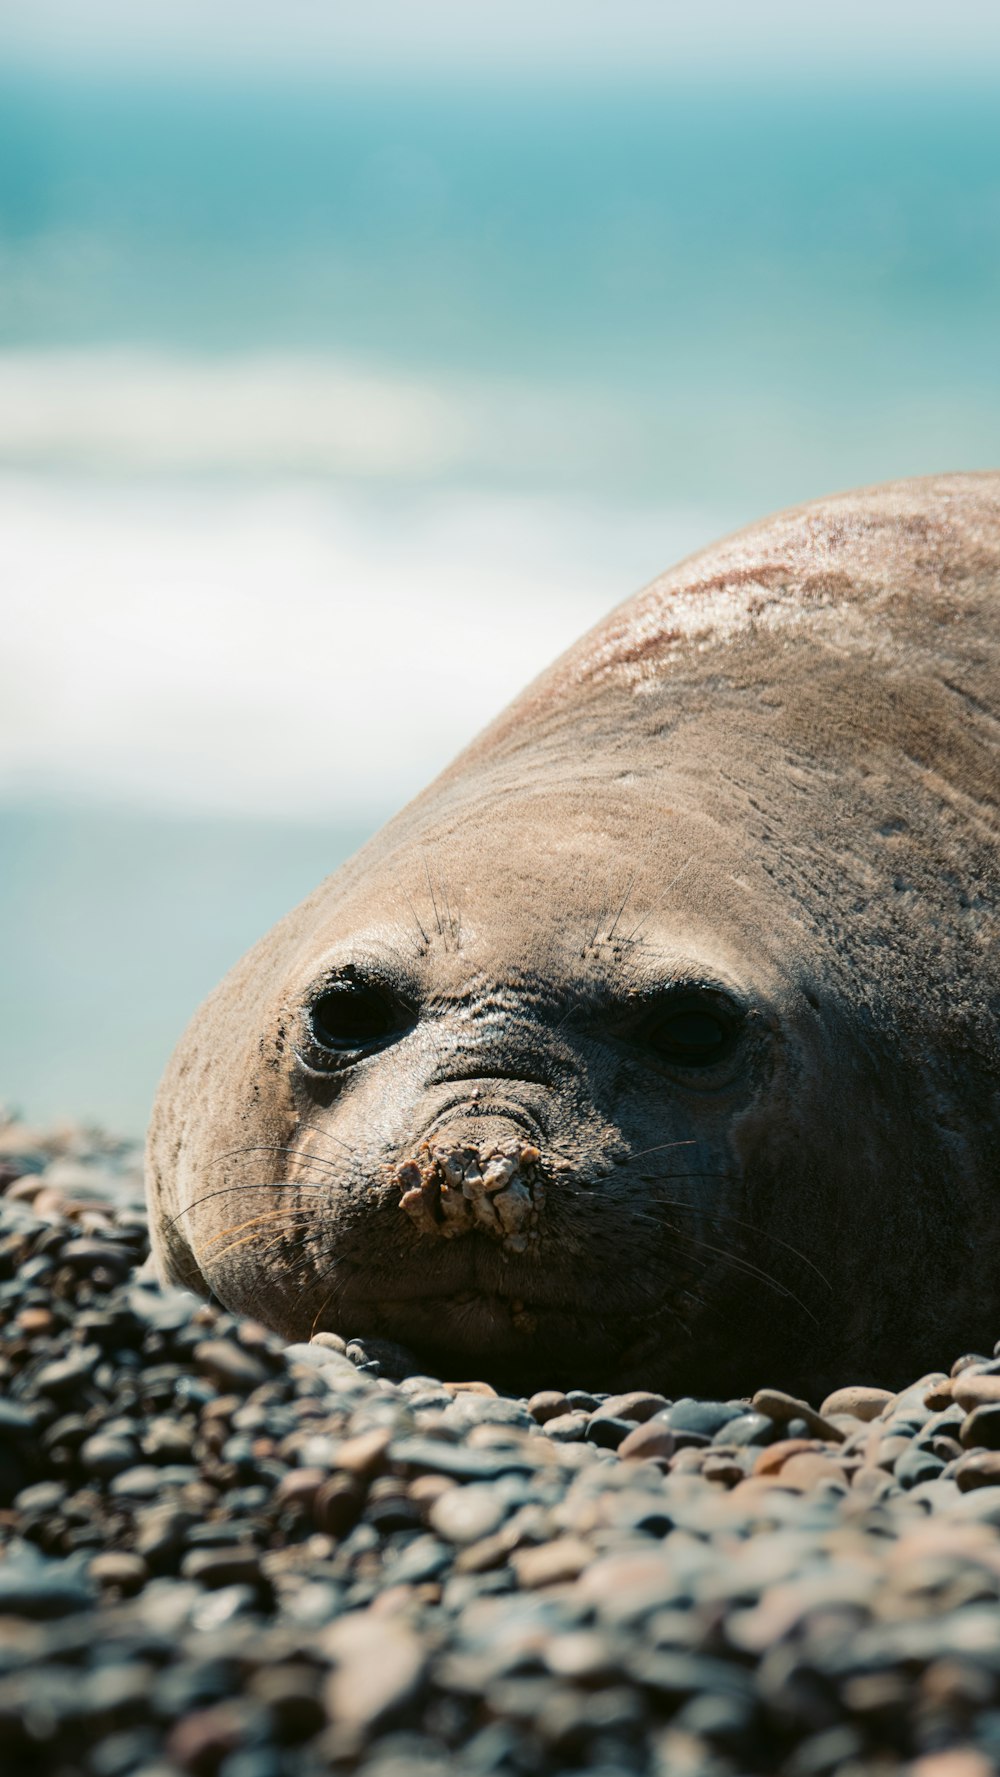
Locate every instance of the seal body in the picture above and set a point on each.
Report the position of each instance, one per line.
(657, 1042)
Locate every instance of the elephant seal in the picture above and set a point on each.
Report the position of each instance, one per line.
(657, 1042)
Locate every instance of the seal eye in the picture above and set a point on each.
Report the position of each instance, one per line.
(694, 1033)
(353, 1015)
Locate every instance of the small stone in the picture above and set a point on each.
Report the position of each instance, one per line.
(773, 1458)
(917, 1464)
(67, 1374)
(461, 1463)
(749, 1428)
(300, 1486)
(973, 1390)
(222, 1567)
(784, 1407)
(549, 1403)
(957, 1761)
(982, 1428)
(116, 1567)
(230, 1366)
(703, 1418)
(467, 1514)
(638, 1405)
(857, 1402)
(379, 1664)
(365, 1454)
(978, 1468)
(199, 1742)
(653, 1440)
(812, 1468)
(567, 1428)
(606, 1431)
(105, 1456)
(553, 1563)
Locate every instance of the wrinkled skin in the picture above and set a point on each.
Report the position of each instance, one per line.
(765, 788)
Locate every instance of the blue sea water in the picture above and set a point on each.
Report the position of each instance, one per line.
(646, 311)
(772, 288)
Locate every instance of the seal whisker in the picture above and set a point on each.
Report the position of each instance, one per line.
(233, 1246)
(661, 904)
(746, 1266)
(736, 1221)
(417, 919)
(266, 1215)
(275, 1148)
(430, 890)
(244, 1185)
(689, 1142)
(609, 934)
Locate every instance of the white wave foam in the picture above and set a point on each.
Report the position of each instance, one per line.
(117, 411)
(277, 650)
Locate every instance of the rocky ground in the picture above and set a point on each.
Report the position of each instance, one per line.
(225, 1558)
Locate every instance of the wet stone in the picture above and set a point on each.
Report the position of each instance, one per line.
(567, 1428)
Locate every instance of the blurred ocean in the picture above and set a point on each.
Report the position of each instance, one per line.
(330, 412)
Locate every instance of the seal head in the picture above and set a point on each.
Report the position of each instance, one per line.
(657, 1041)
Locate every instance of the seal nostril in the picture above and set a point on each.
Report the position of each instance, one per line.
(469, 1105)
(452, 1188)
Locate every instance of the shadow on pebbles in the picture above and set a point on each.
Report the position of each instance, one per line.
(226, 1558)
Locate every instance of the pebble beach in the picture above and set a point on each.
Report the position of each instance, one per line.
(225, 1557)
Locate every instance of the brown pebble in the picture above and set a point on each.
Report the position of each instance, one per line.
(199, 1742)
(939, 1395)
(647, 1440)
(116, 1567)
(810, 1469)
(858, 1401)
(773, 1458)
(35, 1320)
(299, 1486)
(978, 1468)
(976, 1423)
(338, 1504)
(483, 1556)
(971, 1390)
(724, 1471)
(638, 1406)
(783, 1407)
(470, 1388)
(688, 1461)
(958, 1761)
(227, 1363)
(379, 1665)
(548, 1403)
(365, 1455)
(552, 1564)
(223, 1407)
(231, 1565)
(425, 1489)
(890, 1450)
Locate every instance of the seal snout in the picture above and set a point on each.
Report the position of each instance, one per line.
(451, 1187)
